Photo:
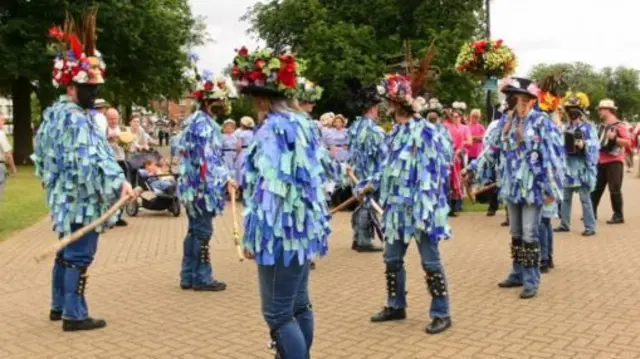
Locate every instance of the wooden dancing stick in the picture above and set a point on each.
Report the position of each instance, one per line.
(88, 228)
(484, 189)
(352, 199)
(374, 204)
(236, 231)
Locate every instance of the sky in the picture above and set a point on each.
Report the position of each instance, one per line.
(601, 33)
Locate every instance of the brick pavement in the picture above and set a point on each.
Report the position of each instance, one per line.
(588, 307)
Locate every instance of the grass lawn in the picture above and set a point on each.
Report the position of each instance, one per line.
(468, 206)
(23, 203)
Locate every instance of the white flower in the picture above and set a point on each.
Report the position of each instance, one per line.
(81, 78)
(58, 64)
(55, 83)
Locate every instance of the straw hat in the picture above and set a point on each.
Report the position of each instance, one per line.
(247, 121)
(126, 137)
(100, 103)
(608, 104)
(229, 121)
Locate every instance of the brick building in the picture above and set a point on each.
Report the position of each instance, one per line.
(176, 111)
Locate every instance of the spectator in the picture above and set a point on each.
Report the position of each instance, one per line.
(6, 157)
(141, 143)
(99, 117)
(113, 137)
(152, 174)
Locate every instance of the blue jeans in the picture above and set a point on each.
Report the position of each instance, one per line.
(69, 276)
(430, 257)
(546, 239)
(286, 308)
(588, 216)
(196, 264)
(524, 222)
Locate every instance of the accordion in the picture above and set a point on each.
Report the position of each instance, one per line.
(607, 145)
(570, 139)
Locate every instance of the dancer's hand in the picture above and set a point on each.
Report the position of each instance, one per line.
(231, 185)
(127, 191)
(249, 255)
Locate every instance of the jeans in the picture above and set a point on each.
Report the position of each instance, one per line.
(546, 239)
(611, 174)
(69, 276)
(587, 208)
(196, 264)
(524, 223)
(430, 257)
(284, 295)
(162, 185)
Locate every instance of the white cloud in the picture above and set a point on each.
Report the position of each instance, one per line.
(542, 31)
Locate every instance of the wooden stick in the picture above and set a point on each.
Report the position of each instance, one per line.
(344, 204)
(484, 189)
(86, 229)
(374, 204)
(236, 231)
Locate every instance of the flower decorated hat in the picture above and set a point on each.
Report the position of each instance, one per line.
(307, 91)
(77, 61)
(207, 86)
(520, 85)
(397, 89)
(576, 100)
(433, 106)
(263, 73)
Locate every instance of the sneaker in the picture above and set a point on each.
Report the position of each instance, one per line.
(616, 220)
(121, 223)
(528, 293)
(504, 224)
(55, 315)
(561, 229)
(588, 233)
(509, 284)
(388, 314)
(86, 324)
(368, 249)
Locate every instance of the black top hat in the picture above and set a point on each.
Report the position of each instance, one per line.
(363, 97)
(520, 85)
(261, 91)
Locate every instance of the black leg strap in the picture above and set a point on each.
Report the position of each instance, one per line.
(436, 284)
(531, 255)
(204, 252)
(392, 283)
(82, 283)
(303, 310)
(516, 250)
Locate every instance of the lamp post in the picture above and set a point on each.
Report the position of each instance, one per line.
(488, 25)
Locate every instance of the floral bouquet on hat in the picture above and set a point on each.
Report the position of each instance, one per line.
(397, 89)
(307, 91)
(263, 73)
(486, 58)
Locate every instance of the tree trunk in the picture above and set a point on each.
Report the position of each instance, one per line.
(22, 131)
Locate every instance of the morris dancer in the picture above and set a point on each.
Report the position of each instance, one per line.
(532, 175)
(286, 220)
(433, 112)
(582, 163)
(202, 182)
(412, 193)
(367, 151)
(80, 173)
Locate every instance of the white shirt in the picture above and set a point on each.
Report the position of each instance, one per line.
(101, 123)
(5, 146)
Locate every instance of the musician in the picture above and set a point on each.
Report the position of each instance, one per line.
(367, 151)
(530, 176)
(583, 151)
(286, 220)
(614, 137)
(202, 181)
(412, 193)
(79, 172)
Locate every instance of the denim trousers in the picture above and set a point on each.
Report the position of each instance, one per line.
(524, 223)
(588, 216)
(196, 264)
(284, 295)
(546, 239)
(69, 276)
(394, 254)
(362, 224)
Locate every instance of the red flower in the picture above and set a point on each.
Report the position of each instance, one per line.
(287, 75)
(76, 46)
(287, 59)
(256, 75)
(56, 33)
(243, 51)
(499, 43)
(235, 71)
(197, 94)
(260, 63)
(208, 86)
(221, 84)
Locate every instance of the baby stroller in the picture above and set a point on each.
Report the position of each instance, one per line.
(162, 200)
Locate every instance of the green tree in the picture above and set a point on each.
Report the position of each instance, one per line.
(143, 43)
(623, 87)
(356, 39)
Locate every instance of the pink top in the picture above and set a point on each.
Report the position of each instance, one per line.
(477, 130)
(458, 134)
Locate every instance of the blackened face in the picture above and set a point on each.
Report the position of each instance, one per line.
(575, 114)
(87, 94)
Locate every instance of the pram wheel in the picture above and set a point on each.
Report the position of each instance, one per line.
(132, 208)
(175, 208)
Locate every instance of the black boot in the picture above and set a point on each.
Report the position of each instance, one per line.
(215, 286)
(516, 257)
(438, 325)
(86, 324)
(530, 259)
(550, 263)
(55, 315)
(368, 249)
(388, 314)
(544, 267)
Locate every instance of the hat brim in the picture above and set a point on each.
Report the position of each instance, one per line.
(517, 91)
(405, 106)
(261, 91)
(607, 107)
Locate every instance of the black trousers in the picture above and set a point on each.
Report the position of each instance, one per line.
(611, 174)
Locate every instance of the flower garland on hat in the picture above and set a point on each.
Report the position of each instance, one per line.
(397, 89)
(263, 72)
(307, 91)
(74, 61)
